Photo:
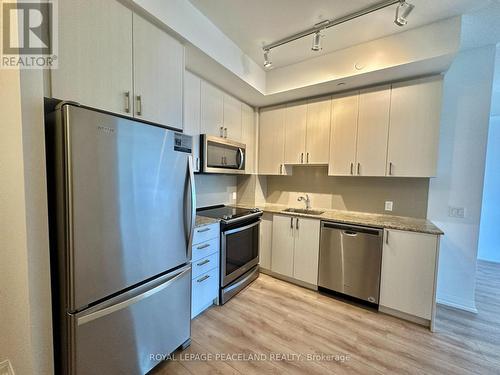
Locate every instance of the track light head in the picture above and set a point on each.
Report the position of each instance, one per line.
(267, 61)
(402, 12)
(316, 46)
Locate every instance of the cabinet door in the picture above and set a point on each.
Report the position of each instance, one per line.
(343, 135)
(192, 124)
(266, 241)
(414, 128)
(248, 132)
(373, 128)
(408, 272)
(95, 55)
(212, 110)
(295, 133)
(271, 141)
(232, 118)
(318, 131)
(306, 250)
(158, 75)
(282, 253)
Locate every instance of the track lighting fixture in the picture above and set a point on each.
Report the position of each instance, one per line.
(402, 12)
(267, 61)
(316, 46)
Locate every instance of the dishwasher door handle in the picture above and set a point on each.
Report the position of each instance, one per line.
(350, 233)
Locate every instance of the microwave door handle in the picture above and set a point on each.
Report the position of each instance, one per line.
(242, 158)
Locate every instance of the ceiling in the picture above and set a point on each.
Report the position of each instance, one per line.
(251, 24)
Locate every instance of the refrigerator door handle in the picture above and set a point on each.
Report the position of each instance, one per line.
(112, 305)
(192, 203)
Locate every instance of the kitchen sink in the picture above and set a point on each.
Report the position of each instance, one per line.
(303, 211)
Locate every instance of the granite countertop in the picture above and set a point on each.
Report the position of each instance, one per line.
(202, 221)
(360, 218)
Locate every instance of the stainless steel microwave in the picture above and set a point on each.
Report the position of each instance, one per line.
(221, 155)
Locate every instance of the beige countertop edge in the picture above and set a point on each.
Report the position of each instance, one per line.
(361, 218)
(202, 221)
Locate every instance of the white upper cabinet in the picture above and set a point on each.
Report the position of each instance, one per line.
(373, 127)
(414, 128)
(272, 141)
(192, 121)
(343, 135)
(232, 118)
(95, 55)
(248, 134)
(295, 133)
(158, 75)
(112, 59)
(318, 131)
(212, 110)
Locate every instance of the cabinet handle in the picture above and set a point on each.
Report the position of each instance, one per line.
(221, 131)
(139, 105)
(390, 168)
(307, 158)
(127, 101)
(203, 246)
(281, 168)
(297, 224)
(359, 165)
(225, 132)
(203, 230)
(203, 263)
(352, 166)
(198, 164)
(301, 158)
(202, 279)
(387, 238)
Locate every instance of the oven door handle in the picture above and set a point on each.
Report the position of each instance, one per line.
(236, 230)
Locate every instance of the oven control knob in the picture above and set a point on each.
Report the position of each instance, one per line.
(226, 217)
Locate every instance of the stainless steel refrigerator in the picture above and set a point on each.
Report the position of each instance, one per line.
(122, 210)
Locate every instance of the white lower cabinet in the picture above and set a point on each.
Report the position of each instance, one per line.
(409, 266)
(266, 241)
(295, 248)
(206, 270)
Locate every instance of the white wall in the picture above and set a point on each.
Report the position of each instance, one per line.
(489, 235)
(459, 181)
(25, 299)
(214, 189)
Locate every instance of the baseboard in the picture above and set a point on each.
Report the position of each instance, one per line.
(458, 306)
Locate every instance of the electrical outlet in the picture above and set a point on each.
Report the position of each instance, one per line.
(457, 212)
(233, 195)
(389, 205)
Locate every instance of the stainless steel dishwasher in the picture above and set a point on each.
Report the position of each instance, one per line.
(350, 259)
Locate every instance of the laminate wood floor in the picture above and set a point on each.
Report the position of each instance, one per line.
(278, 328)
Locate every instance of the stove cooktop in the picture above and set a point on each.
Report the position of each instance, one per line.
(226, 212)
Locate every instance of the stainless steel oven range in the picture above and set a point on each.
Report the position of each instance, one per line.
(239, 263)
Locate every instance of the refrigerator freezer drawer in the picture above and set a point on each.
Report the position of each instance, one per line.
(129, 336)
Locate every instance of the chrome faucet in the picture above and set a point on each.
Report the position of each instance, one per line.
(306, 200)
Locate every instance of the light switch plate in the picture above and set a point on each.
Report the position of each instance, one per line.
(389, 205)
